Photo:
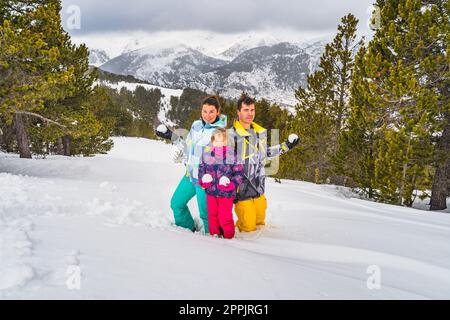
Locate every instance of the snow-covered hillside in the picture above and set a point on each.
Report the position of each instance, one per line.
(247, 42)
(167, 63)
(109, 217)
(97, 57)
(165, 101)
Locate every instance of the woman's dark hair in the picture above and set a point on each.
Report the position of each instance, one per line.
(244, 100)
(212, 101)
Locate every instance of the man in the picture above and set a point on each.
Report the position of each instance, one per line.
(251, 147)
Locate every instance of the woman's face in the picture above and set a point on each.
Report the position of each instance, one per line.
(209, 113)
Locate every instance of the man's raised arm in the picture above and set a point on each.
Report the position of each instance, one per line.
(278, 150)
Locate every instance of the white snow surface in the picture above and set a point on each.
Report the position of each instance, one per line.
(108, 217)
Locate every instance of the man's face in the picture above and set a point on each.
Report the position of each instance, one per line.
(247, 113)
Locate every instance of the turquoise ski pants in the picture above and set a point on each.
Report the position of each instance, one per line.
(185, 191)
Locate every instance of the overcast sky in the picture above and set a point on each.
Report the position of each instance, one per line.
(220, 16)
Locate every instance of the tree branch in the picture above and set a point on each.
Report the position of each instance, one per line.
(43, 118)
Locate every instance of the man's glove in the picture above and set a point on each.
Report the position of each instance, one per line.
(292, 141)
(163, 132)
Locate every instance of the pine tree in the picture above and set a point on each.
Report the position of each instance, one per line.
(323, 106)
(13, 10)
(29, 73)
(355, 156)
(399, 100)
(80, 108)
(70, 119)
(188, 108)
(434, 70)
(413, 92)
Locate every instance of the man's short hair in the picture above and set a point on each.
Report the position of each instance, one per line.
(244, 100)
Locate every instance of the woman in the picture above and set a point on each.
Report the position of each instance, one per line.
(198, 138)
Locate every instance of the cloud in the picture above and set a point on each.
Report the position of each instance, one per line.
(229, 16)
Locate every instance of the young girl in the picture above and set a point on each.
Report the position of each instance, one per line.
(220, 175)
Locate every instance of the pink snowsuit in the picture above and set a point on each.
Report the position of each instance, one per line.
(220, 162)
(220, 215)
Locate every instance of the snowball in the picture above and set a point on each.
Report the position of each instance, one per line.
(162, 128)
(292, 137)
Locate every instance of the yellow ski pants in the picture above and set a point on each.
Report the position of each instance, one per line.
(251, 213)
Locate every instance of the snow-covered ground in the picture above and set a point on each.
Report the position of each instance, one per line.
(109, 218)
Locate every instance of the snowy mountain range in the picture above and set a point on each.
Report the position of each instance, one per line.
(271, 72)
(169, 65)
(98, 57)
(262, 67)
(246, 42)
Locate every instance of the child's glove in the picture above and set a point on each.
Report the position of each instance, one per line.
(207, 178)
(292, 141)
(224, 181)
(225, 184)
(206, 181)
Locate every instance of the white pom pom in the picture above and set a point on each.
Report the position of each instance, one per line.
(292, 137)
(162, 128)
(224, 181)
(207, 178)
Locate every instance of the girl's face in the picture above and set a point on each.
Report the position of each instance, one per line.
(219, 141)
(209, 113)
